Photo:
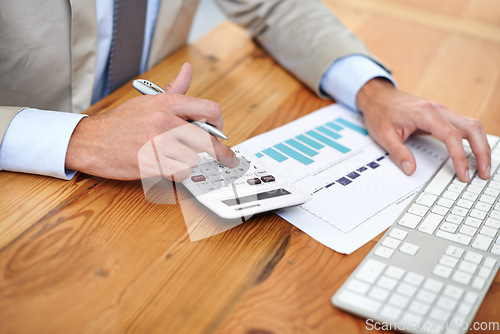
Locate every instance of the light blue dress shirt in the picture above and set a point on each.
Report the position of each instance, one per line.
(37, 140)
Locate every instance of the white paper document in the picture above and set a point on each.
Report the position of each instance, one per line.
(357, 190)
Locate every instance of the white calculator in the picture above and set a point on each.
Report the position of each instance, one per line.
(242, 191)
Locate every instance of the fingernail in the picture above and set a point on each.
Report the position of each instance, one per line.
(407, 167)
(487, 171)
(467, 176)
(236, 161)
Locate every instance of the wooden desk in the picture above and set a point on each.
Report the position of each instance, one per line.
(92, 255)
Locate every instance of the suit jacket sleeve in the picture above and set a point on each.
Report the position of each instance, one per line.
(304, 36)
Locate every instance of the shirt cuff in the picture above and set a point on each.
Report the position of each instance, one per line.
(36, 142)
(345, 77)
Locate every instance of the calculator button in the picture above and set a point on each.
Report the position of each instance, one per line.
(198, 178)
(253, 181)
(268, 178)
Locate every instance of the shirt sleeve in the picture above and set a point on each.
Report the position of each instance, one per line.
(36, 142)
(345, 77)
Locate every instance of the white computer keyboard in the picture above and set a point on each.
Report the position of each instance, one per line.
(243, 191)
(431, 270)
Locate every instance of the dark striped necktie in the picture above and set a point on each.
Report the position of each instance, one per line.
(128, 38)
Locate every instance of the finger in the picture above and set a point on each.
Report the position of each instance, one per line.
(474, 132)
(194, 137)
(174, 170)
(180, 84)
(444, 131)
(399, 153)
(187, 107)
(168, 146)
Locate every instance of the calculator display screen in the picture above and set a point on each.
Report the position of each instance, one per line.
(257, 197)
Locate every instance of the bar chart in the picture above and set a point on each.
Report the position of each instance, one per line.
(305, 146)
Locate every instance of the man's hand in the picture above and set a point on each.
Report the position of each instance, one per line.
(107, 145)
(392, 116)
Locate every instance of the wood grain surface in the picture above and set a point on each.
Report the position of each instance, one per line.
(94, 256)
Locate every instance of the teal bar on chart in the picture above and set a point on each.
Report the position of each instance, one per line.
(328, 141)
(259, 155)
(328, 132)
(293, 154)
(334, 126)
(271, 152)
(301, 147)
(310, 142)
(352, 126)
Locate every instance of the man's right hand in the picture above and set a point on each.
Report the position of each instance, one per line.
(108, 145)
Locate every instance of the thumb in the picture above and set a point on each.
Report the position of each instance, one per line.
(399, 153)
(180, 84)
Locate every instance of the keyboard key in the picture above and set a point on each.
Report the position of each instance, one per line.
(462, 212)
(461, 277)
(359, 301)
(439, 314)
(450, 195)
(391, 242)
(378, 293)
(454, 219)
(467, 267)
(394, 272)
(474, 189)
(492, 192)
(494, 185)
(464, 203)
(478, 283)
(426, 199)
(494, 223)
(440, 210)
(459, 238)
(482, 242)
(391, 313)
(477, 181)
(430, 223)
(413, 278)
(474, 222)
(484, 272)
(411, 319)
(470, 196)
(370, 270)
(495, 214)
(449, 227)
(464, 310)
(453, 292)
(468, 230)
(433, 285)
(456, 187)
(447, 203)
(384, 252)
(487, 199)
(495, 249)
(454, 251)
(358, 286)
(398, 300)
(478, 214)
(473, 257)
(483, 206)
(446, 303)
(409, 248)
(470, 297)
(442, 271)
(387, 282)
(398, 234)
(425, 296)
(489, 262)
(448, 261)
(406, 289)
(410, 220)
(418, 209)
(418, 307)
(488, 231)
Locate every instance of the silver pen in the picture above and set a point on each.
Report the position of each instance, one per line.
(146, 87)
